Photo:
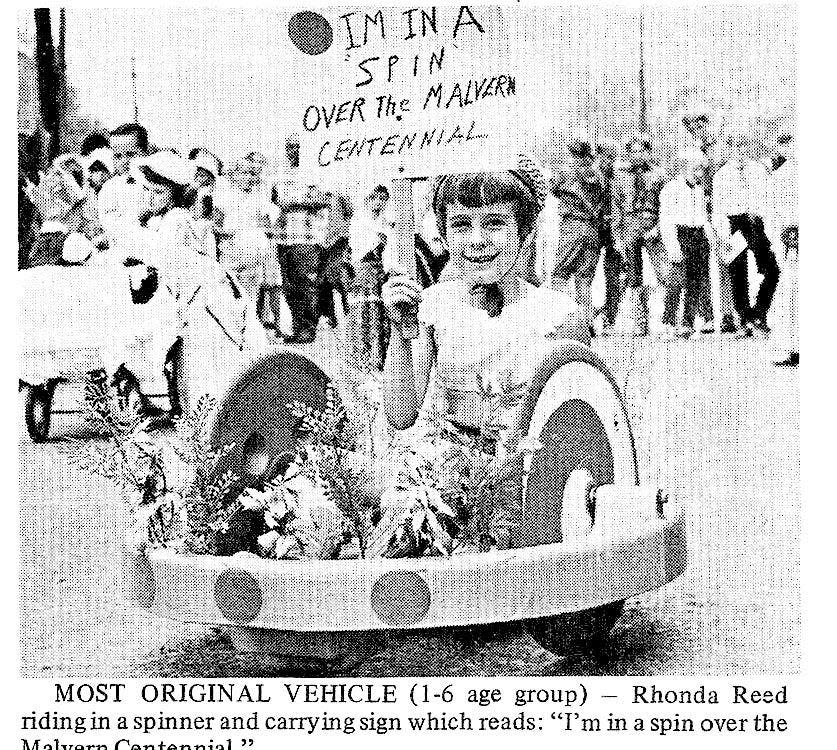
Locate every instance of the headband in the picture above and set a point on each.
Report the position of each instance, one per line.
(526, 171)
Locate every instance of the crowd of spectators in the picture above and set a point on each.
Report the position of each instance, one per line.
(302, 251)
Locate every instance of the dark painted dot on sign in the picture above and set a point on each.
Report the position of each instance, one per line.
(238, 595)
(140, 580)
(400, 597)
(398, 117)
(310, 32)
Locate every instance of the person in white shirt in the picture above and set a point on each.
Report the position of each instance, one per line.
(686, 232)
(121, 198)
(782, 225)
(739, 194)
(244, 245)
(208, 218)
(702, 130)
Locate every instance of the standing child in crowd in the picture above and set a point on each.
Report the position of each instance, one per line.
(208, 218)
(702, 132)
(243, 244)
(635, 208)
(483, 318)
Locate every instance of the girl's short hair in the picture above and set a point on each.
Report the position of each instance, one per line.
(183, 196)
(480, 189)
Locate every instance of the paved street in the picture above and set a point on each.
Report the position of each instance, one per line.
(714, 422)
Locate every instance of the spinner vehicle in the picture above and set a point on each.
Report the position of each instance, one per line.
(591, 536)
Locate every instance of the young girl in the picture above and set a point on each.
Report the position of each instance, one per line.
(483, 319)
(181, 291)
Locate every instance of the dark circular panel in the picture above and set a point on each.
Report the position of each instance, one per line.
(238, 595)
(310, 32)
(573, 438)
(254, 417)
(139, 578)
(400, 598)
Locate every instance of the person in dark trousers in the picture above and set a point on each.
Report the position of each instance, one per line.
(739, 195)
(302, 265)
(635, 207)
(685, 231)
(579, 194)
(368, 328)
(699, 126)
(303, 261)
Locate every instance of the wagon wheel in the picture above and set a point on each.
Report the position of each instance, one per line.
(576, 632)
(313, 653)
(38, 411)
(575, 410)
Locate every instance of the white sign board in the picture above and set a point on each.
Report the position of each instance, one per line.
(409, 92)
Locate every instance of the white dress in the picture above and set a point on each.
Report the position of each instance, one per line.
(197, 300)
(504, 350)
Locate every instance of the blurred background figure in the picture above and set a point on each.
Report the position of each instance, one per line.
(28, 219)
(686, 233)
(782, 217)
(336, 274)
(580, 193)
(303, 260)
(288, 174)
(635, 207)
(66, 207)
(431, 251)
(368, 241)
(704, 135)
(93, 142)
(99, 168)
(607, 151)
(121, 197)
(245, 213)
(739, 193)
(208, 218)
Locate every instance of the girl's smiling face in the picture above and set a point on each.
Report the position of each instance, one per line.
(484, 241)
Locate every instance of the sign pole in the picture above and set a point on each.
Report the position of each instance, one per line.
(403, 237)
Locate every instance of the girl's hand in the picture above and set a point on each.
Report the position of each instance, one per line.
(401, 296)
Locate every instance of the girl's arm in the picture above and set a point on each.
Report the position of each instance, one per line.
(406, 377)
(408, 363)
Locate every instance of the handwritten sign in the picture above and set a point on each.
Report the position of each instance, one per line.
(410, 92)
